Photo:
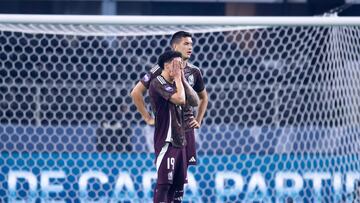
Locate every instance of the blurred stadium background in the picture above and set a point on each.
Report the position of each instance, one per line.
(182, 7)
(282, 123)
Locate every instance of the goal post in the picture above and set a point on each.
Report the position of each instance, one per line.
(282, 122)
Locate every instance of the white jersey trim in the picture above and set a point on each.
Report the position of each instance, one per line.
(161, 156)
(161, 80)
(168, 136)
(154, 69)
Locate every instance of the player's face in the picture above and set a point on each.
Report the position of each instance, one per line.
(184, 47)
(174, 67)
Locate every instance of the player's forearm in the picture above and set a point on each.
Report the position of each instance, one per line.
(179, 97)
(191, 96)
(202, 108)
(138, 100)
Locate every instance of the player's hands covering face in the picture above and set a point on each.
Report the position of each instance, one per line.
(176, 69)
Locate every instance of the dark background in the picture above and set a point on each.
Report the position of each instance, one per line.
(184, 7)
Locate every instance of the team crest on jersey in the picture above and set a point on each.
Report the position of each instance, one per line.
(170, 176)
(169, 89)
(191, 80)
(146, 78)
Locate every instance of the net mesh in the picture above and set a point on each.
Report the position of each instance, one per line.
(282, 122)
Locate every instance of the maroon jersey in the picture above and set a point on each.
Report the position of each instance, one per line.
(194, 78)
(153, 73)
(169, 117)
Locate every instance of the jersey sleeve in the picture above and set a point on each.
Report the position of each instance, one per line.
(160, 87)
(199, 81)
(153, 73)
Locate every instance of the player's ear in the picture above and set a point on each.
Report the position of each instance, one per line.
(166, 65)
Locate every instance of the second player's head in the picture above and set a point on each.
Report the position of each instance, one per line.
(181, 41)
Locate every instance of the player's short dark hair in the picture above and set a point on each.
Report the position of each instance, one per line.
(167, 57)
(177, 36)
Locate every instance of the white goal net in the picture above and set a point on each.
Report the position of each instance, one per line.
(282, 124)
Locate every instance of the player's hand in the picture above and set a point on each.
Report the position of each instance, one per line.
(182, 64)
(177, 68)
(182, 68)
(194, 123)
(150, 121)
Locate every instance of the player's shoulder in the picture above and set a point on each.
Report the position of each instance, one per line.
(192, 66)
(194, 69)
(158, 81)
(159, 84)
(155, 69)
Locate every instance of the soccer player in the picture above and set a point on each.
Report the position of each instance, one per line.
(182, 42)
(168, 97)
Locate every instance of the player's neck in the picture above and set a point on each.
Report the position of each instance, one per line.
(167, 77)
(186, 61)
